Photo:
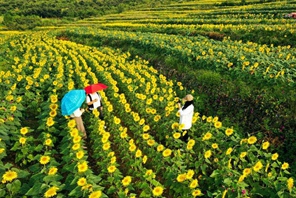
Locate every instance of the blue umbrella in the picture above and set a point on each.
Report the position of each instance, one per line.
(72, 101)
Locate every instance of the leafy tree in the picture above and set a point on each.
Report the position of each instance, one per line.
(20, 22)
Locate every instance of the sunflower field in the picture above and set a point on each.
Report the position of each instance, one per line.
(137, 151)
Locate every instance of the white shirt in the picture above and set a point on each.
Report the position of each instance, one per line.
(93, 97)
(186, 116)
(76, 113)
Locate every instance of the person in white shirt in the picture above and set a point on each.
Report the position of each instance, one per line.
(94, 101)
(76, 115)
(186, 114)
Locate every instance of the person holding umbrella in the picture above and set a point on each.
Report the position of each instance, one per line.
(94, 99)
(76, 115)
(70, 105)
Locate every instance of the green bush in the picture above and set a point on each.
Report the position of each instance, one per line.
(17, 22)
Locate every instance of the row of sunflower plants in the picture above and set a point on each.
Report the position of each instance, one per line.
(132, 145)
(114, 175)
(288, 184)
(246, 60)
(43, 179)
(132, 163)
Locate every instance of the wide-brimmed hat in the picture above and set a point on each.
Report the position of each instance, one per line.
(188, 97)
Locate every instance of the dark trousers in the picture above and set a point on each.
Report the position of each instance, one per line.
(186, 136)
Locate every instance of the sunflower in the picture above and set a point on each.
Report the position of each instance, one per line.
(144, 159)
(160, 148)
(181, 177)
(48, 142)
(243, 154)
(49, 122)
(9, 176)
(82, 167)
(193, 184)
(76, 146)
(189, 174)
(13, 108)
(207, 136)
(44, 159)
(81, 181)
(142, 121)
(53, 106)
(290, 183)
(241, 178)
(252, 140)
(196, 193)
(208, 154)
(157, 191)
(151, 142)
(123, 135)
(149, 172)
(257, 166)
(145, 136)
(146, 128)
(218, 124)
(265, 145)
(285, 165)
(214, 145)
(157, 118)
(191, 142)
(229, 131)
(52, 171)
(167, 152)
(229, 150)
(24, 130)
(247, 171)
(52, 113)
(111, 169)
(175, 126)
(274, 156)
(177, 135)
(132, 147)
(209, 119)
(188, 147)
(138, 153)
(22, 140)
(51, 192)
(79, 154)
(126, 180)
(74, 132)
(106, 146)
(76, 139)
(53, 98)
(117, 120)
(95, 194)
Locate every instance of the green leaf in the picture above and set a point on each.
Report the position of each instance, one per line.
(38, 148)
(76, 192)
(14, 187)
(214, 173)
(227, 181)
(35, 190)
(2, 192)
(111, 190)
(21, 173)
